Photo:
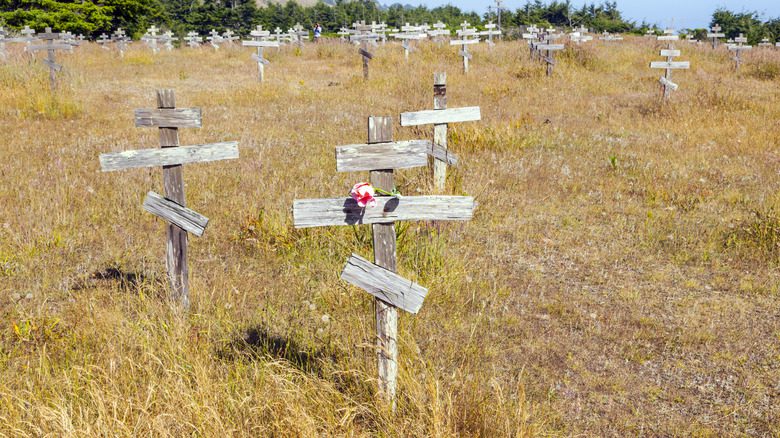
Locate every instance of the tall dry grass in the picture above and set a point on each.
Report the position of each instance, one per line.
(619, 278)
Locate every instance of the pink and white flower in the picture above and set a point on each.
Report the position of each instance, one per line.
(363, 194)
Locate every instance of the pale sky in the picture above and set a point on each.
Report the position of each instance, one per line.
(665, 13)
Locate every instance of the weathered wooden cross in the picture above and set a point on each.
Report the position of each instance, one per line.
(121, 41)
(546, 51)
(580, 35)
(215, 39)
(715, 34)
(607, 37)
(439, 32)
(150, 38)
(103, 41)
(738, 47)
(172, 208)
(299, 34)
(440, 117)
(229, 36)
(364, 38)
(51, 47)
(408, 34)
(669, 65)
(193, 39)
(167, 38)
(380, 156)
(467, 36)
(765, 43)
(489, 32)
(260, 41)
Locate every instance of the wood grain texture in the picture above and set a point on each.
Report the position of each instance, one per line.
(670, 52)
(345, 211)
(440, 152)
(168, 157)
(384, 284)
(260, 43)
(452, 115)
(671, 65)
(550, 47)
(463, 42)
(393, 155)
(168, 118)
(37, 48)
(173, 213)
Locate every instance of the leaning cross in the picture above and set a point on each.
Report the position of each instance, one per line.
(738, 48)
(49, 37)
(364, 39)
(380, 156)
(260, 42)
(172, 207)
(440, 117)
(669, 65)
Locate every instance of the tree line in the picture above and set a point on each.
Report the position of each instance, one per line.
(91, 18)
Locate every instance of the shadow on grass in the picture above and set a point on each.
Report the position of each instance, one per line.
(257, 343)
(125, 281)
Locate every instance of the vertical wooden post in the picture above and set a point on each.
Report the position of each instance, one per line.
(260, 65)
(380, 130)
(668, 75)
(549, 63)
(173, 181)
(364, 46)
(465, 58)
(439, 130)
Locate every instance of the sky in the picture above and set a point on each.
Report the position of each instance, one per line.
(666, 13)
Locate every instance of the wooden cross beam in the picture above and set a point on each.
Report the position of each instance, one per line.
(172, 207)
(51, 47)
(380, 156)
(260, 42)
(440, 118)
(715, 34)
(364, 39)
(549, 56)
(738, 47)
(669, 65)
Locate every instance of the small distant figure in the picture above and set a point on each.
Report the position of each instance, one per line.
(317, 32)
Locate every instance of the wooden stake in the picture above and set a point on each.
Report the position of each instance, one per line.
(380, 130)
(176, 254)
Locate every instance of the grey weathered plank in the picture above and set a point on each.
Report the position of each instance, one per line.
(345, 211)
(452, 115)
(550, 47)
(365, 53)
(443, 154)
(260, 43)
(463, 42)
(670, 52)
(168, 156)
(394, 155)
(36, 48)
(668, 83)
(671, 65)
(384, 284)
(168, 118)
(183, 217)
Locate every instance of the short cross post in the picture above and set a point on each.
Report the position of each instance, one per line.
(669, 65)
(715, 34)
(172, 208)
(50, 46)
(260, 41)
(440, 118)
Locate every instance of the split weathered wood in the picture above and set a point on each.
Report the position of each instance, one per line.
(396, 155)
(309, 213)
(384, 284)
(110, 162)
(452, 115)
(167, 118)
(189, 220)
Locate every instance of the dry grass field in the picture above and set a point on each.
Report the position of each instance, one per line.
(620, 277)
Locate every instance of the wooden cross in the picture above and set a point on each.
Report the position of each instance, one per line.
(172, 208)
(51, 47)
(121, 41)
(193, 39)
(229, 36)
(439, 32)
(103, 41)
(650, 33)
(364, 39)
(167, 38)
(549, 54)
(669, 65)
(467, 37)
(607, 37)
(409, 33)
(440, 118)
(380, 156)
(299, 34)
(490, 30)
(28, 35)
(738, 47)
(381, 30)
(150, 38)
(765, 43)
(715, 34)
(215, 39)
(260, 41)
(580, 37)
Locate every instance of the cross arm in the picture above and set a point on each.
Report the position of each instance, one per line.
(308, 213)
(168, 118)
(384, 284)
(437, 117)
(378, 156)
(168, 156)
(188, 220)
